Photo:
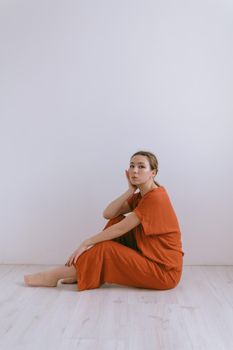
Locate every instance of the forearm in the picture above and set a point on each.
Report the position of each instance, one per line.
(107, 234)
(113, 208)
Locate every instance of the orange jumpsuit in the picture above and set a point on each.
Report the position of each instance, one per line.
(149, 256)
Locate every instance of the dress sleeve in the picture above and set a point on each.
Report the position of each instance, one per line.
(156, 214)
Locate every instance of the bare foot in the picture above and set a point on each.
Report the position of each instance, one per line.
(69, 280)
(41, 279)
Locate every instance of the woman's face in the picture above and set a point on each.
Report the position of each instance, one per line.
(139, 170)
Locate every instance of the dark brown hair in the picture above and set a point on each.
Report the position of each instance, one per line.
(154, 165)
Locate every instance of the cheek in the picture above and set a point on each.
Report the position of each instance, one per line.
(146, 174)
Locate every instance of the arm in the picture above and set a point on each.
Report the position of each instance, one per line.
(114, 207)
(109, 233)
(116, 230)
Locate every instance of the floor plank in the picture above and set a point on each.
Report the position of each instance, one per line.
(197, 314)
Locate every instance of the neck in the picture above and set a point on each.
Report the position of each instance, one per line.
(144, 188)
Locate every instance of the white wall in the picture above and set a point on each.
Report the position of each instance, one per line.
(85, 84)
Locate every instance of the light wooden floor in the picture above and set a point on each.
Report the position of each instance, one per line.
(197, 314)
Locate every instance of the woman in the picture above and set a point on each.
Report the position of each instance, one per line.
(142, 249)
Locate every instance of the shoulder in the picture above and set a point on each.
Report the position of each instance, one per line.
(156, 199)
(155, 194)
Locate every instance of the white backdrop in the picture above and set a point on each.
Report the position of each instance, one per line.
(84, 85)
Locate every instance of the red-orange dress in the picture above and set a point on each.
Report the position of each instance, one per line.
(148, 256)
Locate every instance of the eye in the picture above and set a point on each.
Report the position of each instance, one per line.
(140, 166)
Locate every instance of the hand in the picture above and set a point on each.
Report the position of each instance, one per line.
(74, 257)
(132, 187)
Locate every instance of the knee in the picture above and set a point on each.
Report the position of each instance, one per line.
(105, 246)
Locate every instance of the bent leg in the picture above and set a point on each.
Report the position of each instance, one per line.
(50, 278)
(113, 262)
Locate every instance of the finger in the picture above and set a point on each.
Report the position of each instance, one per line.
(69, 261)
(76, 258)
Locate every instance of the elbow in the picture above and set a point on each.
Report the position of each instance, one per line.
(106, 216)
